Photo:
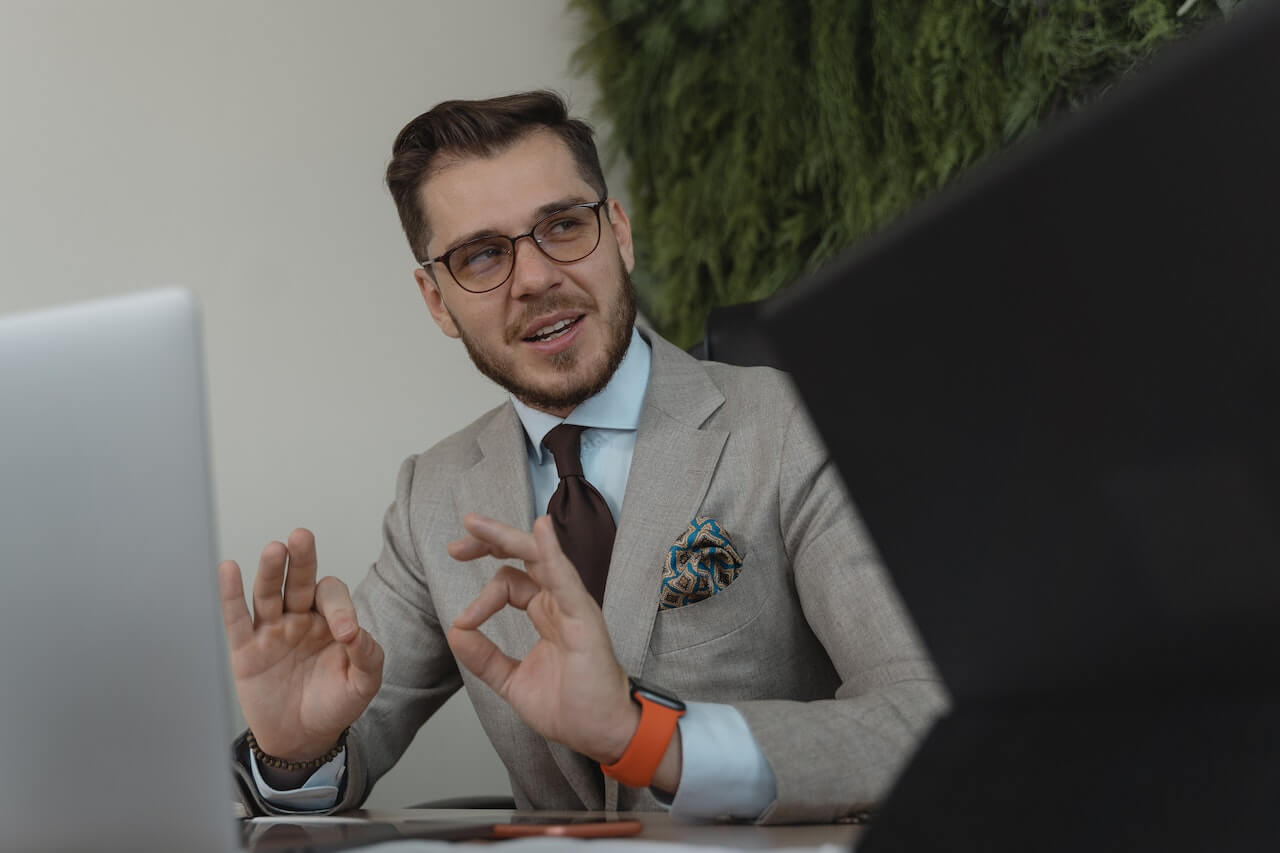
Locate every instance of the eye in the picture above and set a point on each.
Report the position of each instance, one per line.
(565, 225)
(562, 226)
(481, 255)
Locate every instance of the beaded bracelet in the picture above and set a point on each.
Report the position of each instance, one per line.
(280, 764)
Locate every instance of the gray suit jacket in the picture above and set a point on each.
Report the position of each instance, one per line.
(809, 642)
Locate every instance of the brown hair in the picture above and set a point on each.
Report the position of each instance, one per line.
(479, 129)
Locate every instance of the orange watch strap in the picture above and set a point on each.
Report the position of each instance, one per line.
(644, 752)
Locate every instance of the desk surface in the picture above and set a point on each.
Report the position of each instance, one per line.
(658, 826)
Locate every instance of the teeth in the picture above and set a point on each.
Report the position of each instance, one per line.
(547, 331)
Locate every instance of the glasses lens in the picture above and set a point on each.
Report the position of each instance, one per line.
(569, 235)
(481, 264)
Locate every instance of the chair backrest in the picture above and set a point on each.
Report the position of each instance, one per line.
(734, 336)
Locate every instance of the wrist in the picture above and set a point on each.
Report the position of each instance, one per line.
(649, 749)
(623, 732)
(283, 780)
(302, 758)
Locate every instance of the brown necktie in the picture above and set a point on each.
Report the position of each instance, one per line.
(579, 513)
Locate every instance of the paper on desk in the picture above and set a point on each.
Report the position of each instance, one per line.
(547, 844)
(306, 819)
(542, 844)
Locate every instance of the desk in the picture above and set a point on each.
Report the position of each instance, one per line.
(658, 826)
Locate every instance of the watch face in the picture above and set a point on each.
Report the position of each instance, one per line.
(655, 694)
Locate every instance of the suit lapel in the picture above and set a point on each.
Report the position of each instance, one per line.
(670, 472)
(498, 486)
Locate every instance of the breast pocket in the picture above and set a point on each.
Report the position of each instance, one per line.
(732, 608)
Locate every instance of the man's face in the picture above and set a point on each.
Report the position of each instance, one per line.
(507, 194)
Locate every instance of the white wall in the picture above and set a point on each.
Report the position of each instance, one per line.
(237, 148)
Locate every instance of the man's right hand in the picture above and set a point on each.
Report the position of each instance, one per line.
(304, 669)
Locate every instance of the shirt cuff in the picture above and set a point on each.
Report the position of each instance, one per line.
(318, 793)
(723, 772)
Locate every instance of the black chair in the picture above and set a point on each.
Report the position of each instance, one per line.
(734, 336)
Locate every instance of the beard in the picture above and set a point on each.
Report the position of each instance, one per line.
(570, 391)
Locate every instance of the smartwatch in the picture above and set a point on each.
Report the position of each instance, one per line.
(659, 711)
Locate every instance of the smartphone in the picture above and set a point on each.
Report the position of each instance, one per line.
(299, 834)
(521, 826)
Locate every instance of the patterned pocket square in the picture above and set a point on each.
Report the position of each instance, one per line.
(701, 562)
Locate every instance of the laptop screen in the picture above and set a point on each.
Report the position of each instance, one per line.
(114, 730)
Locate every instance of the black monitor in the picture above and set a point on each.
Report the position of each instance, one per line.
(1053, 392)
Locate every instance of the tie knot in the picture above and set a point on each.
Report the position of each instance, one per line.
(564, 442)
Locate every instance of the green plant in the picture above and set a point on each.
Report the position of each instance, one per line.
(764, 136)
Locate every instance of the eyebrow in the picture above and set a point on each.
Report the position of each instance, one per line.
(538, 215)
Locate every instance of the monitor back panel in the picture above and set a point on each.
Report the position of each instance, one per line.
(1054, 390)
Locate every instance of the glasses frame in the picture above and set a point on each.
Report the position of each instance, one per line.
(443, 260)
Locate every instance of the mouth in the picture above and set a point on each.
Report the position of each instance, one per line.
(557, 329)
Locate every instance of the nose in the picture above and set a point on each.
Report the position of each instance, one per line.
(532, 271)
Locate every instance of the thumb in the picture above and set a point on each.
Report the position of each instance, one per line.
(557, 573)
(365, 657)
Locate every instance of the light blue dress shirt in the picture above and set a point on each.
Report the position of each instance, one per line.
(724, 773)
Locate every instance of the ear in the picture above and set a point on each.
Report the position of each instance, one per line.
(621, 226)
(435, 303)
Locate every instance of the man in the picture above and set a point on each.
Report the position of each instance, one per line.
(705, 516)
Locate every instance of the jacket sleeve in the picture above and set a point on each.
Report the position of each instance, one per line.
(832, 757)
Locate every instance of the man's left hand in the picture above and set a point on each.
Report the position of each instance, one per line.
(570, 687)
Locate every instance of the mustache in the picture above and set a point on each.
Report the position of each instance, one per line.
(546, 306)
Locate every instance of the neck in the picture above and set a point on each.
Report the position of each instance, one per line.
(561, 413)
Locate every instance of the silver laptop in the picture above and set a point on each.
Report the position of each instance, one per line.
(114, 700)
(114, 721)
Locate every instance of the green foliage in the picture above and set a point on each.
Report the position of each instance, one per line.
(764, 136)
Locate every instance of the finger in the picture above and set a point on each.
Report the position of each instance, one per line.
(366, 658)
(471, 548)
(479, 654)
(235, 610)
(300, 581)
(501, 538)
(509, 585)
(267, 603)
(333, 602)
(555, 570)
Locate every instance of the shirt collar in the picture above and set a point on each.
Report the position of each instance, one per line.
(616, 406)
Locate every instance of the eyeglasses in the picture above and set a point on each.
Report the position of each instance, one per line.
(486, 263)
